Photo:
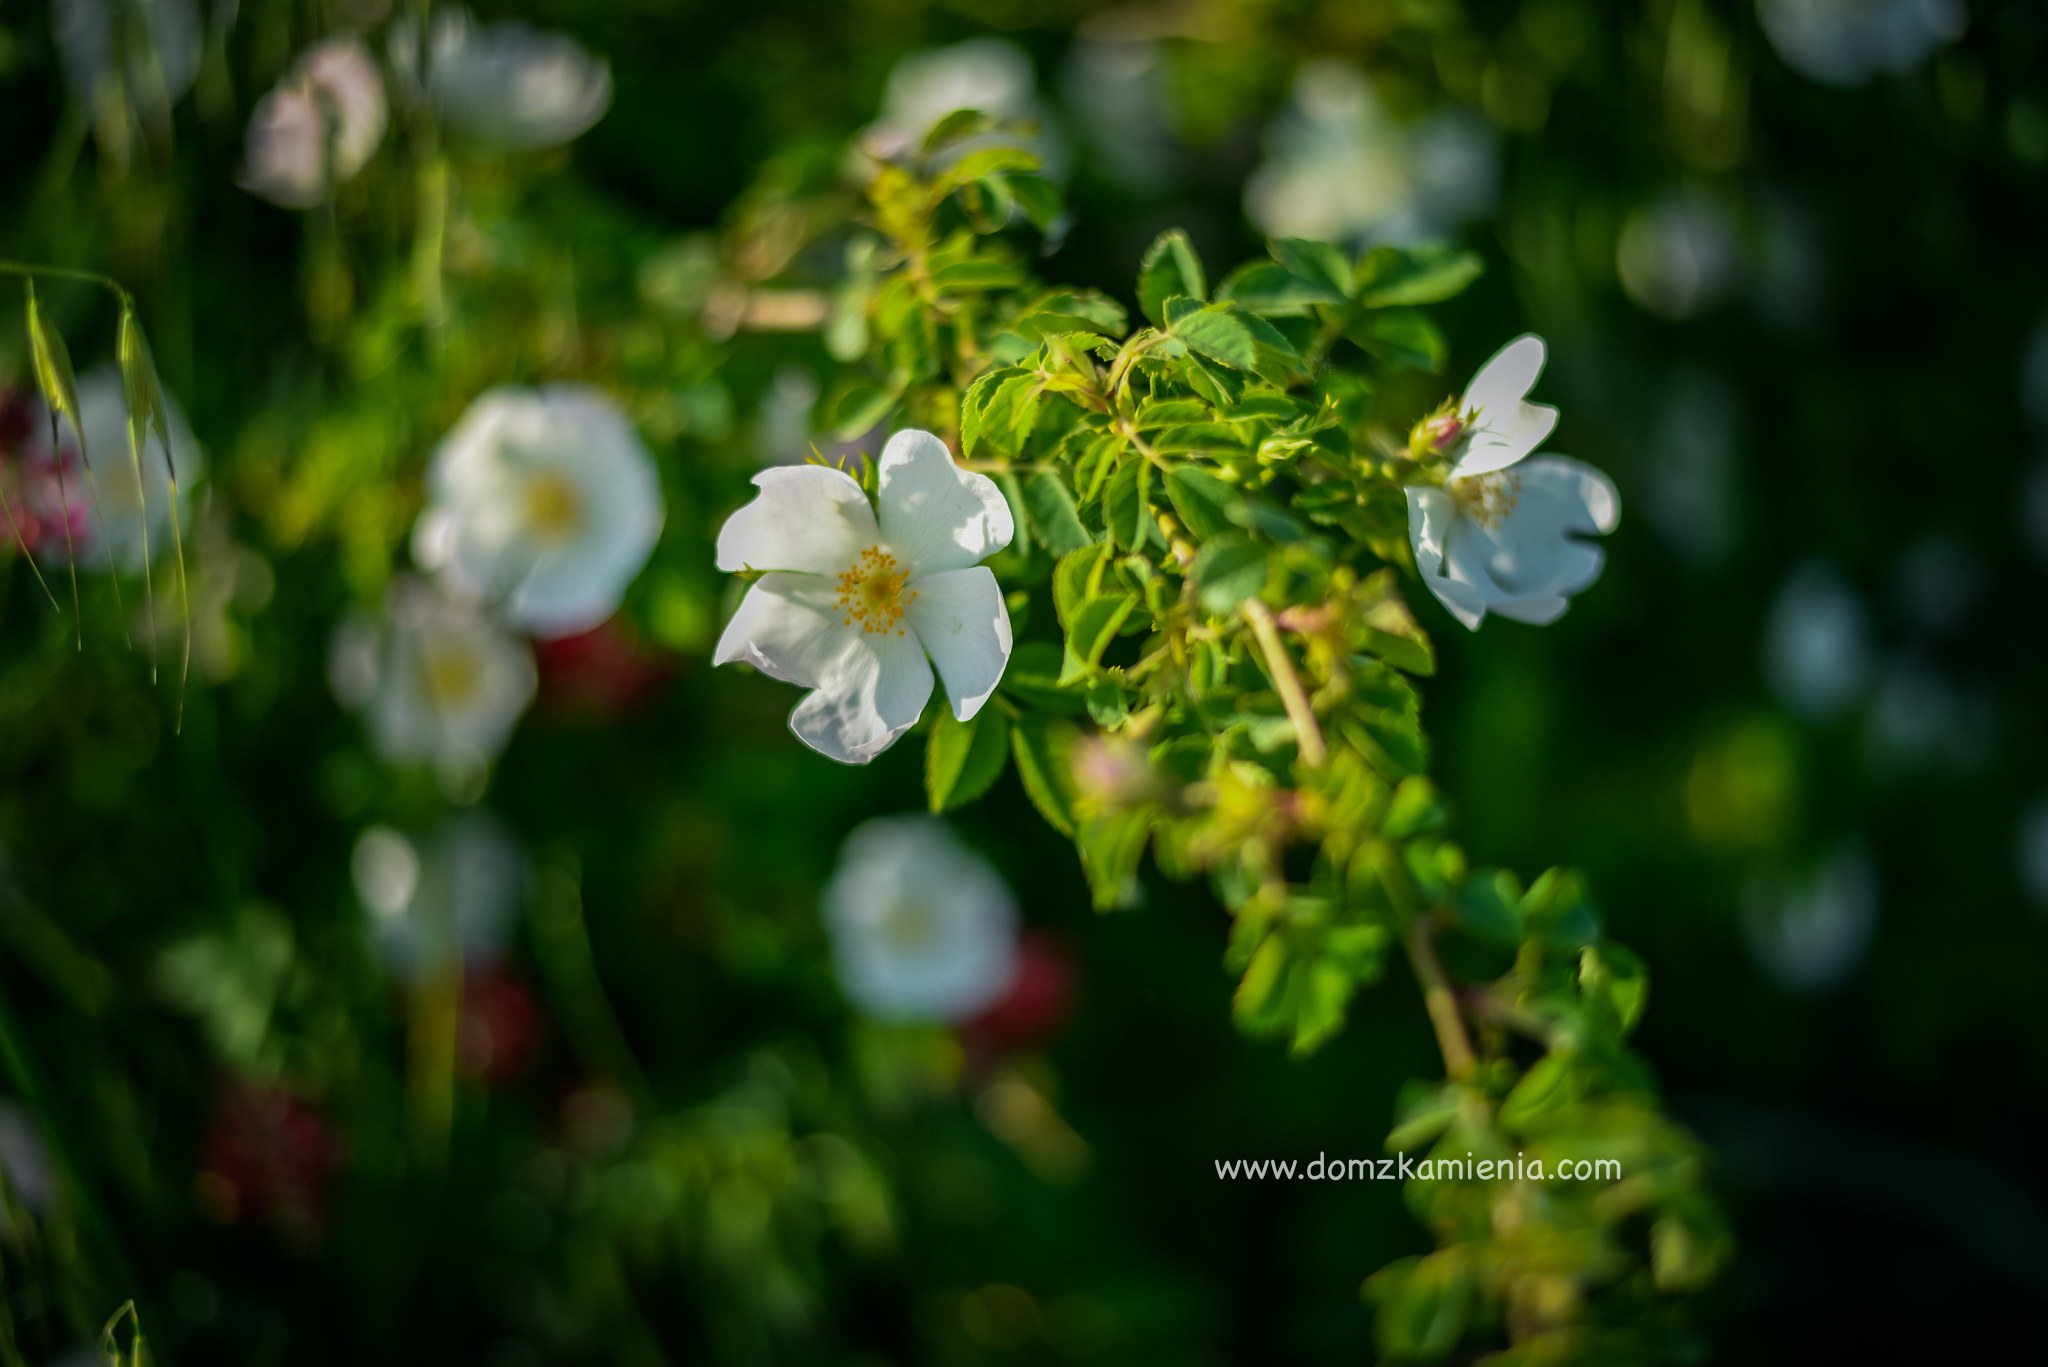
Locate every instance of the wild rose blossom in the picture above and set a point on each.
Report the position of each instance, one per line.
(922, 927)
(436, 682)
(317, 127)
(1504, 532)
(510, 86)
(851, 603)
(543, 502)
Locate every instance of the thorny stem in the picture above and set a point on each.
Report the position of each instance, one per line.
(1286, 682)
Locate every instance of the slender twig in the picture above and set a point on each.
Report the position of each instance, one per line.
(1441, 1001)
(1286, 682)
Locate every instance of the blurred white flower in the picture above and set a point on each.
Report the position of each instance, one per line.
(456, 892)
(154, 45)
(1809, 931)
(509, 86)
(317, 127)
(1847, 42)
(851, 605)
(922, 928)
(2034, 508)
(1939, 577)
(2034, 376)
(1817, 657)
(24, 1161)
(436, 682)
(1116, 87)
(1692, 473)
(1505, 532)
(2033, 852)
(1679, 256)
(992, 75)
(545, 503)
(1339, 168)
(120, 526)
(123, 527)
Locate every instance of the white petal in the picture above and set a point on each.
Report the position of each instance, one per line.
(935, 515)
(807, 517)
(1431, 515)
(788, 627)
(871, 694)
(960, 618)
(1508, 427)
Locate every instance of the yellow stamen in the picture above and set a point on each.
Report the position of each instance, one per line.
(554, 508)
(1487, 499)
(451, 677)
(871, 593)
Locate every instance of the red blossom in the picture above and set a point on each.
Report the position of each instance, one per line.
(1040, 998)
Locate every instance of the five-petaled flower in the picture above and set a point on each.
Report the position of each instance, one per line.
(544, 502)
(852, 600)
(1503, 533)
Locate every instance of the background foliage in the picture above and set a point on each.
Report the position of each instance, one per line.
(1788, 318)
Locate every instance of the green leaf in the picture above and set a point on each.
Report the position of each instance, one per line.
(1111, 846)
(1423, 1111)
(856, 410)
(1169, 267)
(1490, 908)
(1127, 504)
(1094, 626)
(983, 162)
(1318, 263)
(1227, 571)
(1076, 579)
(964, 757)
(956, 126)
(1219, 334)
(978, 273)
(1423, 1305)
(1042, 203)
(1551, 1084)
(1203, 501)
(1399, 337)
(1269, 287)
(1054, 522)
(1389, 276)
(974, 404)
(1040, 749)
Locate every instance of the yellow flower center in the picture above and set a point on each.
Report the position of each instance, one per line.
(1487, 499)
(872, 593)
(554, 508)
(909, 926)
(451, 677)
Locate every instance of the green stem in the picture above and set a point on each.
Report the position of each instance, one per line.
(1287, 683)
(1441, 1001)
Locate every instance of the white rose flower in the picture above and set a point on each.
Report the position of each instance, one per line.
(1847, 42)
(852, 604)
(513, 87)
(1817, 647)
(1810, 930)
(317, 127)
(154, 46)
(437, 682)
(24, 1162)
(2033, 852)
(456, 892)
(545, 502)
(992, 75)
(922, 928)
(1504, 533)
(1340, 169)
(132, 515)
